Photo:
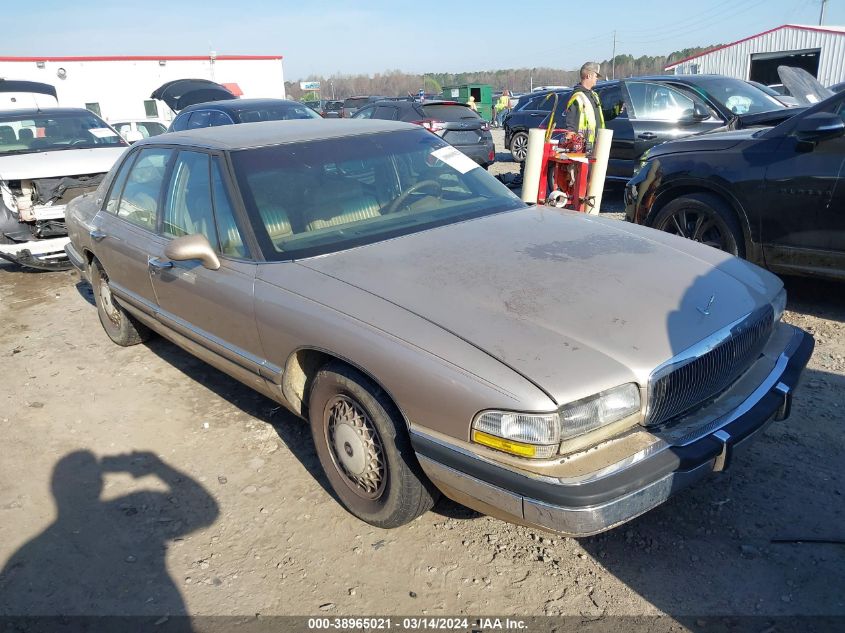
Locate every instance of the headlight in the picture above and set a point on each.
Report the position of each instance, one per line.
(522, 434)
(538, 435)
(601, 409)
(779, 304)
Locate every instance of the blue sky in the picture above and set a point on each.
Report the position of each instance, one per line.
(375, 36)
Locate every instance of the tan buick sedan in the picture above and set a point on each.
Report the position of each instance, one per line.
(549, 368)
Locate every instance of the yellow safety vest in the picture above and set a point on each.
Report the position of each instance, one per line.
(587, 124)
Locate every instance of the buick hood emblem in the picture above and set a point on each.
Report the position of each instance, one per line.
(706, 309)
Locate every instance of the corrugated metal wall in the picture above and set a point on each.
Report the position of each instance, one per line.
(735, 61)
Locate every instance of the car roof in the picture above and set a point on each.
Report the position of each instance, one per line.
(46, 111)
(236, 105)
(265, 133)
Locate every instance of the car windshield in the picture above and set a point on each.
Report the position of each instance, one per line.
(322, 196)
(739, 96)
(282, 112)
(333, 106)
(51, 131)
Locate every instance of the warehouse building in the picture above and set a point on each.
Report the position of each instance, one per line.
(120, 87)
(820, 50)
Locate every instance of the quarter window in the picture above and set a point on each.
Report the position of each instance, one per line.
(139, 202)
(187, 208)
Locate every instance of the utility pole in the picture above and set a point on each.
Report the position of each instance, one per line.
(613, 59)
(821, 15)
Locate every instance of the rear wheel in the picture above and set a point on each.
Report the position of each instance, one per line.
(364, 449)
(121, 327)
(519, 146)
(704, 218)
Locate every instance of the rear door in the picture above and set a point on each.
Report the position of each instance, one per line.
(125, 228)
(212, 308)
(660, 113)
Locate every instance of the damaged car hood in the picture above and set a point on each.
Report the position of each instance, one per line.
(54, 164)
(574, 303)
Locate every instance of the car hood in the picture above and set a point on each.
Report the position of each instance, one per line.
(706, 142)
(70, 162)
(576, 304)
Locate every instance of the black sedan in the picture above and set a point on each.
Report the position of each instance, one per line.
(775, 196)
(454, 122)
(646, 111)
(232, 111)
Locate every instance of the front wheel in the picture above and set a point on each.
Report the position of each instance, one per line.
(519, 146)
(704, 218)
(364, 449)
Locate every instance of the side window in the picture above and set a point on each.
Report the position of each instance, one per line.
(364, 113)
(180, 122)
(541, 103)
(199, 119)
(187, 207)
(656, 102)
(612, 103)
(231, 241)
(385, 112)
(139, 202)
(118, 182)
(216, 118)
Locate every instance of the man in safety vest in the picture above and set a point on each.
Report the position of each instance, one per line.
(583, 110)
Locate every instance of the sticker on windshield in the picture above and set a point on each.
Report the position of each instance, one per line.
(102, 132)
(455, 159)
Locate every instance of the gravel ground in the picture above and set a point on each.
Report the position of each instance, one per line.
(142, 481)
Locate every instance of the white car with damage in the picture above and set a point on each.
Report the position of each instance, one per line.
(48, 157)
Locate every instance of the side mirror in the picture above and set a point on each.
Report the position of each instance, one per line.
(819, 126)
(194, 246)
(695, 114)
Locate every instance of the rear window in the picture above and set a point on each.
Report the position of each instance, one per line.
(448, 113)
(355, 102)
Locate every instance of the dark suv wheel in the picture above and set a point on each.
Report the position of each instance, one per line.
(519, 146)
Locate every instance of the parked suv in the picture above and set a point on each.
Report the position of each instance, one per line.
(351, 105)
(456, 123)
(646, 111)
(231, 111)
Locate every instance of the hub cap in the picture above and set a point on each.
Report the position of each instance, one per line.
(108, 304)
(355, 447)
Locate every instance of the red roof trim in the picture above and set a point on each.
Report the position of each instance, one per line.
(745, 39)
(140, 58)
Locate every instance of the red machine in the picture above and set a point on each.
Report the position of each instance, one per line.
(564, 171)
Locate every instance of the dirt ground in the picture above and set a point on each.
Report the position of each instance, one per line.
(142, 481)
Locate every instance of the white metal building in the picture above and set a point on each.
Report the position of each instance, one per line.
(820, 50)
(120, 87)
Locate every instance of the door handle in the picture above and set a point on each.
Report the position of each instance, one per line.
(96, 235)
(155, 264)
(647, 136)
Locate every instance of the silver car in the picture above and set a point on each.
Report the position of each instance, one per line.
(546, 367)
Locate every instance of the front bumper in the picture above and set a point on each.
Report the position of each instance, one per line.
(597, 503)
(45, 254)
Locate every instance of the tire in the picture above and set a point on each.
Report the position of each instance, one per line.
(704, 218)
(519, 146)
(364, 449)
(121, 327)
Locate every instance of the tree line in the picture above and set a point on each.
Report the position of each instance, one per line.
(394, 83)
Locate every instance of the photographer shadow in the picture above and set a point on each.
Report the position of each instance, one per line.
(107, 557)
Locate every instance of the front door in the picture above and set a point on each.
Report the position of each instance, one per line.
(212, 308)
(661, 113)
(803, 218)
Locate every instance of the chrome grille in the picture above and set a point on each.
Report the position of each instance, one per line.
(694, 378)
